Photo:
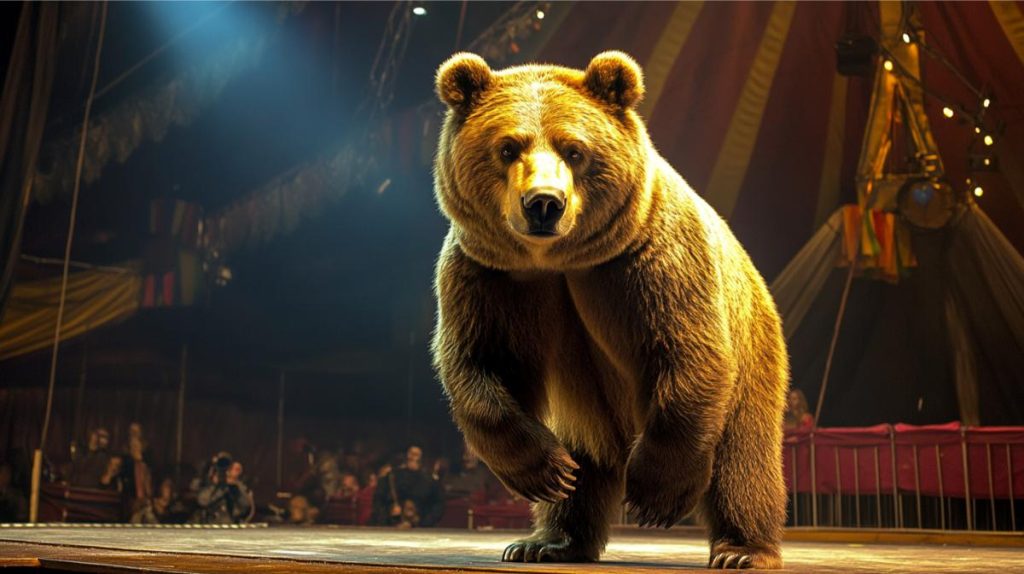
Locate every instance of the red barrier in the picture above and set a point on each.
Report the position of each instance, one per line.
(932, 460)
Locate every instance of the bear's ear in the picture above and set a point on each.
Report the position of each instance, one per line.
(461, 79)
(615, 78)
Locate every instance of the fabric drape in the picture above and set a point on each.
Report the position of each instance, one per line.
(23, 109)
(94, 298)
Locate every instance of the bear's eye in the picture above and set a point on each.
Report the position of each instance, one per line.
(574, 156)
(509, 151)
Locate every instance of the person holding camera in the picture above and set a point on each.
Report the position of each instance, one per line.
(224, 499)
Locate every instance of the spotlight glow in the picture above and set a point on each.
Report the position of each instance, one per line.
(986, 103)
(947, 111)
(906, 38)
(989, 140)
(978, 192)
(887, 65)
(540, 14)
(977, 130)
(419, 11)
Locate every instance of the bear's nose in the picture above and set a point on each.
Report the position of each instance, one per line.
(543, 207)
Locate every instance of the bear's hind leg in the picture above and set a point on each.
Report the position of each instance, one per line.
(574, 529)
(745, 505)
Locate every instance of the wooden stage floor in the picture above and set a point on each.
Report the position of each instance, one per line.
(329, 549)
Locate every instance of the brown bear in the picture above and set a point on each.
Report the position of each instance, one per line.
(601, 334)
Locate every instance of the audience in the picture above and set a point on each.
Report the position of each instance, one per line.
(405, 492)
(301, 512)
(88, 468)
(224, 499)
(407, 496)
(164, 508)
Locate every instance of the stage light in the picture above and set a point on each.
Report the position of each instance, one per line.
(981, 162)
(978, 192)
(947, 111)
(986, 103)
(906, 38)
(887, 65)
(989, 140)
(419, 11)
(977, 130)
(540, 14)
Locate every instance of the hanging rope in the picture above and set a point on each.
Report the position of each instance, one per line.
(71, 229)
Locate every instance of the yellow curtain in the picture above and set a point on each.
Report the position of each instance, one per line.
(94, 298)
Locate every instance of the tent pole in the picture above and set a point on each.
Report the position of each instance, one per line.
(280, 428)
(835, 338)
(179, 438)
(37, 457)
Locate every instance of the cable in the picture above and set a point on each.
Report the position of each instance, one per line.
(71, 229)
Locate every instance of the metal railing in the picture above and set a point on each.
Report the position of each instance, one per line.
(943, 477)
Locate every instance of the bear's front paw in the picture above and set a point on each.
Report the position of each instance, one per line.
(546, 475)
(548, 548)
(659, 491)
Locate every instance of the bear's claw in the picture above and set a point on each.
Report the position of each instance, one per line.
(545, 550)
(729, 560)
(551, 482)
(726, 556)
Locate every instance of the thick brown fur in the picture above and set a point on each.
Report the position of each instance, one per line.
(636, 354)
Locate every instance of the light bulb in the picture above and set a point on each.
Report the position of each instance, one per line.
(947, 111)
(986, 103)
(978, 192)
(988, 161)
(906, 38)
(977, 130)
(989, 140)
(419, 11)
(540, 14)
(887, 65)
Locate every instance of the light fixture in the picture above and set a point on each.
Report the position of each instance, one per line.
(419, 10)
(986, 103)
(906, 38)
(977, 130)
(987, 161)
(887, 65)
(978, 192)
(989, 140)
(947, 111)
(540, 14)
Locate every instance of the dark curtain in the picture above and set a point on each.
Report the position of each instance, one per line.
(902, 356)
(23, 107)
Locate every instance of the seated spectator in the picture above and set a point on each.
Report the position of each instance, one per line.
(87, 468)
(301, 512)
(164, 508)
(13, 506)
(225, 499)
(135, 473)
(408, 484)
(112, 477)
(798, 416)
(348, 487)
(364, 498)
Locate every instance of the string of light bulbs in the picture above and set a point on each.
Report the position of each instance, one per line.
(982, 132)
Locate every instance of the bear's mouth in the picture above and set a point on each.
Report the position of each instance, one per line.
(542, 233)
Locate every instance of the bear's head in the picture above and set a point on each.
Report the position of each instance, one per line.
(542, 167)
